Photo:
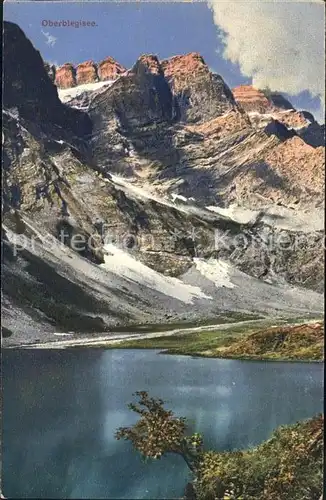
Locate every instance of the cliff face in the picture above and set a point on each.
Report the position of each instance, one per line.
(200, 94)
(146, 163)
(28, 88)
(26, 83)
(264, 107)
(86, 73)
(279, 101)
(69, 75)
(260, 101)
(139, 98)
(151, 64)
(50, 69)
(109, 69)
(65, 76)
(251, 99)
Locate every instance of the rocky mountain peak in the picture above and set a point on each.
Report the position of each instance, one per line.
(265, 108)
(65, 76)
(86, 72)
(28, 88)
(295, 119)
(25, 79)
(68, 75)
(177, 68)
(109, 69)
(200, 94)
(150, 62)
(141, 97)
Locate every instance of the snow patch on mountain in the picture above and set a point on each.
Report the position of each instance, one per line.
(175, 201)
(123, 264)
(276, 216)
(145, 193)
(236, 213)
(216, 271)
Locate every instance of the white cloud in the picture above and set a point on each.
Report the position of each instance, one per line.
(278, 44)
(50, 39)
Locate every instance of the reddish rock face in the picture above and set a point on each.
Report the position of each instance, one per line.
(109, 69)
(86, 73)
(300, 163)
(251, 99)
(222, 126)
(152, 63)
(200, 94)
(292, 119)
(65, 76)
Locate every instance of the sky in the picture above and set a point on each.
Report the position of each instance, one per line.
(278, 45)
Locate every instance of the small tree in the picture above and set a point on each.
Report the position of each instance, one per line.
(159, 432)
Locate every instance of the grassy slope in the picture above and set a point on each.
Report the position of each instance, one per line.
(220, 319)
(255, 340)
(290, 342)
(190, 343)
(289, 466)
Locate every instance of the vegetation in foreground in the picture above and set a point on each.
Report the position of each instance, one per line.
(252, 340)
(288, 466)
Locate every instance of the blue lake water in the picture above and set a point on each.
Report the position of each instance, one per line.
(61, 409)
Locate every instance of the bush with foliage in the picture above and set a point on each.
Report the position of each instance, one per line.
(159, 432)
(289, 466)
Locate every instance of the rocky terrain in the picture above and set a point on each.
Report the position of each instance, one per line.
(252, 99)
(264, 106)
(68, 75)
(150, 195)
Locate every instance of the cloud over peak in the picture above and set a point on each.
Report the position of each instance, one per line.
(279, 45)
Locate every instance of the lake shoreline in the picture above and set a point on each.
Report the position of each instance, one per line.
(306, 343)
(125, 333)
(256, 359)
(202, 341)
